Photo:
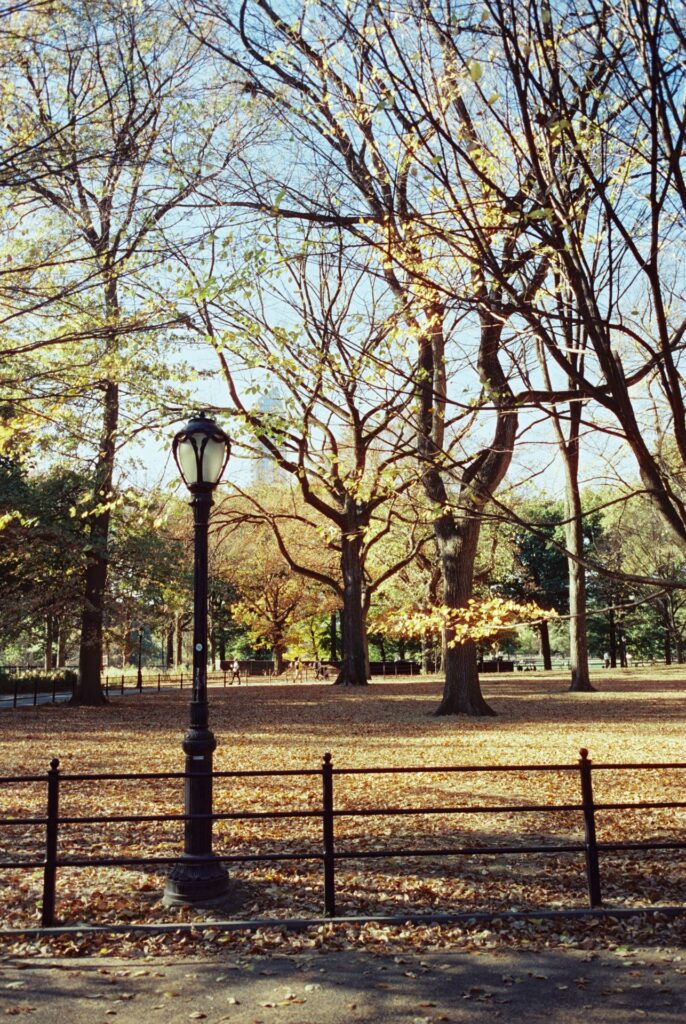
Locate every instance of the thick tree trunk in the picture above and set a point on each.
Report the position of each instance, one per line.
(88, 689)
(461, 690)
(278, 660)
(354, 667)
(544, 634)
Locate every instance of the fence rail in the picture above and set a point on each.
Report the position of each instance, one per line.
(119, 683)
(330, 855)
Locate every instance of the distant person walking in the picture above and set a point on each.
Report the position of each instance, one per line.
(297, 671)
(235, 672)
(606, 660)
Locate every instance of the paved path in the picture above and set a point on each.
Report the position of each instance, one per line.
(559, 987)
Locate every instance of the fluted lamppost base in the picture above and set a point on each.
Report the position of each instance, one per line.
(198, 877)
(196, 881)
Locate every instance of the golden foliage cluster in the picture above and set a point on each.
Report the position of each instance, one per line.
(480, 621)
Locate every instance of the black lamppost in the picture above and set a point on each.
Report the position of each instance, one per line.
(201, 451)
(140, 652)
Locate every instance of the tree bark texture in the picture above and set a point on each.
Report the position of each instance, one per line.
(88, 689)
(354, 665)
(461, 689)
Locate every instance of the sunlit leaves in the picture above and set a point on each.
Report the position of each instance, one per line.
(479, 621)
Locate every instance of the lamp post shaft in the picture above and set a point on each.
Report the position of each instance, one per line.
(201, 504)
(198, 877)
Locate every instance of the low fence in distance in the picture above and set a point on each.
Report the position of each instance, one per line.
(328, 853)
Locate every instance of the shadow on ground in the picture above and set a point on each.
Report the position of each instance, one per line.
(569, 987)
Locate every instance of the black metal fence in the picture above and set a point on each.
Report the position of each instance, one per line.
(34, 692)
(329, 854)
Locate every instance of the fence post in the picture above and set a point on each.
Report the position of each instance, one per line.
(327, 827)
(16, 691)
(54, 687)
(158, 682)
(35, 691)
(50, 867)
(122, 684)
(592, 865)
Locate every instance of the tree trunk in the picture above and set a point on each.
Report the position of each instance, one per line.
(278, 659)
(354, 668)
(61, 643)
(544, 634)
(49, 659)
(127, 651)
(179, 642)
(366, 602)
(88, 688)
(427, 658)
(213, 647)
(578, 646)
(613, 637)
(574, 534)
(169, 653)
(332, 636)
(679, 644)
(461, 691)
(456, 529)
(668, 646)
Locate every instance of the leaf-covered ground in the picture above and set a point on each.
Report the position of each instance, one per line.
(638, 716)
